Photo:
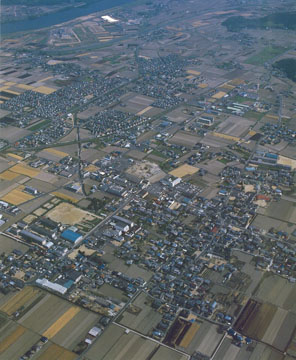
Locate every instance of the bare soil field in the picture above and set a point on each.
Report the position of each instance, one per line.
(184, 170)
(69, 214)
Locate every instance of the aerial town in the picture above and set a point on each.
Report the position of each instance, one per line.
(148, 180)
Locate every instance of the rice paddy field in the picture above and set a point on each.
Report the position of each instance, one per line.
(267, 323)
(17, 196)
(116, 343)
(42, 314)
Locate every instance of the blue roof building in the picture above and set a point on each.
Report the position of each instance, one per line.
(71, 236)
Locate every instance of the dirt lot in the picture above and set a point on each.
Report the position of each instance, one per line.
(146, 170)
(184, 170)
(69, 214)
(177, 115)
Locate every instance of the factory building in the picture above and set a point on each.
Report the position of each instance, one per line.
(27, 235)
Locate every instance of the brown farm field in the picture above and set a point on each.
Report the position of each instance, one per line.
(11, 338)
(55, 352)
(8, 175)
(184, 139)
(24, 170)
(17, 196)
(255, 319)
(22, 298)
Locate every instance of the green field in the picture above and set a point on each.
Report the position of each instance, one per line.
(268, 53)
(39, 125)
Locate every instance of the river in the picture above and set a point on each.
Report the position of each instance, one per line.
(60, 16)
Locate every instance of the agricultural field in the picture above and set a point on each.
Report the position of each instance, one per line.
(55, 352)
(283, 210)
(184, 170)
(191, 336)
(8, 175)
(47, 315)
(184, 139)
(136, 103)
(266, 322)
(254, 351)
(278, 291)
(235, 126)
(24, 169)
(15, 340)
(266, 223)
(164, 353)
(266, 54)
(255, 319)
(109, 291)
(8, 245)
(116, 343)
(140, 316)
(63, 196)
(21, 300)
(17, 196)
(75, 329)
(61, 322)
